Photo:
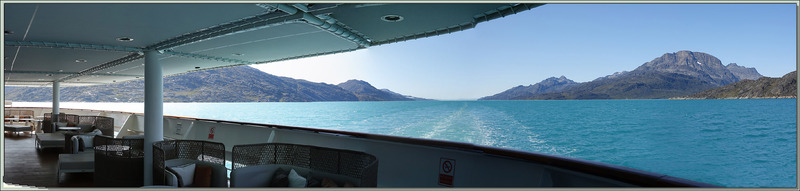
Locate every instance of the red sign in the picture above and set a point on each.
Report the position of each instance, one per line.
(211, 133)
(447, 169)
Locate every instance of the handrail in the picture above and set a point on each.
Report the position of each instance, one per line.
(615, 172)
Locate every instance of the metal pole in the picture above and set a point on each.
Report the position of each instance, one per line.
(56, 99)
(153, 111)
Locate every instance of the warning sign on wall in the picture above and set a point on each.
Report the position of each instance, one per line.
(447, 168)
(211, 133)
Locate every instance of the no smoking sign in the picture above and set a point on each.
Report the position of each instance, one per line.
(447, 170)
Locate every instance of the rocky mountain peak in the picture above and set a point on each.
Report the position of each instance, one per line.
(695, 64)
(742, 72)
(366, 92)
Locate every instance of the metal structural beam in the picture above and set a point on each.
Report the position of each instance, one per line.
(205, 57)
(67, 45)
(312, 19)
(93, 70)
(304, 56)
(70, 73)
(56, 99)
(242, 25)
(153, 110)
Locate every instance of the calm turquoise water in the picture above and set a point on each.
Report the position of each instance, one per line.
(735, 143)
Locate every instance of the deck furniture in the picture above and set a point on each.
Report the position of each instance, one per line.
(255, 165)
(87, 125)
(63, 119)
(83, 162)
(118, 162)
(17, 128)
(169, 155)
(17, 115)
(49, 140)
(79, 143)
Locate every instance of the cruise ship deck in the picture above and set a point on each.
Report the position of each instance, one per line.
(25, 166)
(118, 42)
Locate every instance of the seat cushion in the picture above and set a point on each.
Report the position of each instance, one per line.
(202, 176)
(295, 180)
(185, 174)
(253, 176)
(219, 173)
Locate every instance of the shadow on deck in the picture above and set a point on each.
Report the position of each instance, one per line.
(24, 166)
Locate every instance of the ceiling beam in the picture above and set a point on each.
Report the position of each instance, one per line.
(70, 73)
(313, 20)
(95, 69)
(67, 45)
(242, 25)
(206, 57)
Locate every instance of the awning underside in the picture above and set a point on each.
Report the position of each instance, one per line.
(88, 44)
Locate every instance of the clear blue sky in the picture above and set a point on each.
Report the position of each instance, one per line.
(579, 41)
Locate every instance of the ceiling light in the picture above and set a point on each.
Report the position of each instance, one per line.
(60, 70)
(81, 60)
(124, 39)
(392, 18)
(5, 32)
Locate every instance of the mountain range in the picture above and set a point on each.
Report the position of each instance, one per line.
(235, 84)
(675, 74)
(764, 87)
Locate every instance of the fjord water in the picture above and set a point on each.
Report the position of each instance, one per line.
(734, 143)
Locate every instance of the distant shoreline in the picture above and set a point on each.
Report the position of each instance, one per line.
(774, 97)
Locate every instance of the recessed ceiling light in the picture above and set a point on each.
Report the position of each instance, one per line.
(124, 39)
(5, 32)
(392, 18)
(81, 60)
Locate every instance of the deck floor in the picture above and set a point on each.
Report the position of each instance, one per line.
(25, 166)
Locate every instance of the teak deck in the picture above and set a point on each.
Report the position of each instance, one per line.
(25, 166)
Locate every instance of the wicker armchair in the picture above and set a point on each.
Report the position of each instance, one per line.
(47, 122)
(172, 153)
(104, 124)
(19, 113)
(353, 164)
(118, 162)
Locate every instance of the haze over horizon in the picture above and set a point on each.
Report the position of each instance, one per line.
(579, 41)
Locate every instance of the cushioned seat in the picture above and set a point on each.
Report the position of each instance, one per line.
(255, 165)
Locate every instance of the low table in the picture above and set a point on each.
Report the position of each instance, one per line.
(17, 128)
(49, 140)
(81, 162)
(73, 129)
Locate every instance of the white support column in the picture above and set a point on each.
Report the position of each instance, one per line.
(153, 110)
(56, 99)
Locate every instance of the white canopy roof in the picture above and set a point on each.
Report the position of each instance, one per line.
(100, 43)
